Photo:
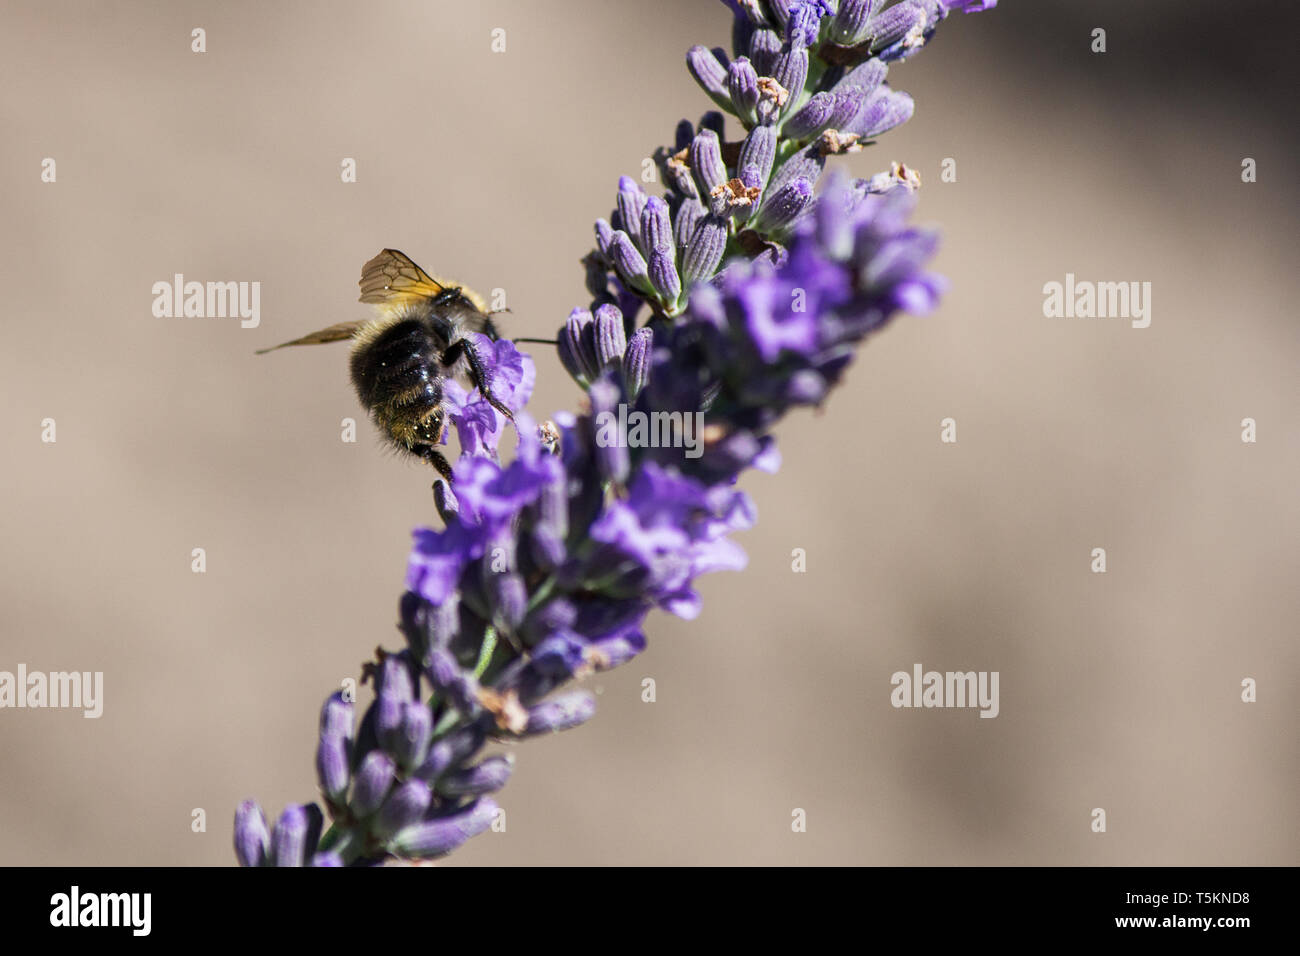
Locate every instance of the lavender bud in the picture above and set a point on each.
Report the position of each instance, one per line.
(374, 778)
(898, 258)
(813, 117)
(577, 338)
(553, 511)
(252, 836)
(560, 713)
(656, 226)
(405, 806)
(509, 599)
(804, 24)
(849, 27)
(781, 207)
(289, 841)
(555, 615)
(393, 691)
(615, 650)
(888, 109)
(596, 273)
(487, 776)
(663, 275)
(805, 387)
(572, 365)
(443, 623)
(449, 751)
(332, 766)
(865, 76)
(631, 200)
(704, 251)
(628, 261)
(388, 718)
(394, 678)
(834, 227)
(791, 71)
(754, 14)
(412, 743)
(611, 453)
(848, 106)
(706, 162)
(610, 338)
(896, 27)
(604, 235)
(742, 28)
(781, 10)
(437, 837)
(546, 547)
(683, 134)
(805, 164)
(764, 48)
(336, 717)
(759, 150)
(742, 85)
(710, 74)
(636, 362)
(446, 676)
(689, 214)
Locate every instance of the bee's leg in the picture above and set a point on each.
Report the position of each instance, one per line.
(478, 373)
(490, 327)
(435, 458)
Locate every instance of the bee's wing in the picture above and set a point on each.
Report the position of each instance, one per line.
(335, 333)
(392, 280)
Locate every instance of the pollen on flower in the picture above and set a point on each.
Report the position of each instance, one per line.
(833, 142)
(549, 433)
(713, 433)
(593, 659)
(505, 707)
(736, 193)
(770, 89)
(906, 175)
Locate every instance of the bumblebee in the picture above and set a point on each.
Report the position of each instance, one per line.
(402, 357)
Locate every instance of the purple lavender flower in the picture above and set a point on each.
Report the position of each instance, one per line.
(759, 291)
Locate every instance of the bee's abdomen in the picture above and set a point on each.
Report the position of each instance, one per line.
(397, 377)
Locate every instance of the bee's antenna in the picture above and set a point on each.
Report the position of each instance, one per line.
(538, 341)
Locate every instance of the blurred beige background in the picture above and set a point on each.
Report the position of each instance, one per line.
(1118, 691)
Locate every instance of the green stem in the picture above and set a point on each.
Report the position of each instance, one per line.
(485, 652)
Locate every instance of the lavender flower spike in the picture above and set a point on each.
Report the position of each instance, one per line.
(740, 295)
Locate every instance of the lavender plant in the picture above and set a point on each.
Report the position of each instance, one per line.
(757, 292)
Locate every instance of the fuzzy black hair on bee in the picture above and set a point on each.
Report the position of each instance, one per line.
(402, 359)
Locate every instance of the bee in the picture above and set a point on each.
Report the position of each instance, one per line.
(403, 356)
